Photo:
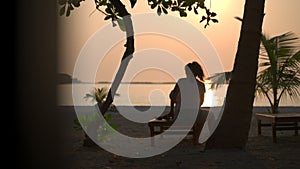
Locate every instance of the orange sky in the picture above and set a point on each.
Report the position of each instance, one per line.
(281, 16)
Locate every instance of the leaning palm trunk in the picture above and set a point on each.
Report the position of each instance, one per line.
(126, 56)
(232, 131)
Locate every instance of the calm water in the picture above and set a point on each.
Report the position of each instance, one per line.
(150, 94)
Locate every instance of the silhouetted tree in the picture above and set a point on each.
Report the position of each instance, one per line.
(238, 106)
(115, 10)
(280, 75)
(233, 129)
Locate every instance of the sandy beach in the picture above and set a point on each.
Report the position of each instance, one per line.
(260, 151)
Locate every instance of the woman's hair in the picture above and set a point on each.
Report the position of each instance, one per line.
(196, 69)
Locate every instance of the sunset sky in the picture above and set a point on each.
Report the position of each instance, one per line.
(281, 16)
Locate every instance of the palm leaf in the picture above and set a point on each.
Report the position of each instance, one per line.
(97, 94)
(219, 79)
(279, 69)
(279, 65)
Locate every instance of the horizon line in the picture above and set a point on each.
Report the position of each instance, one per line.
(109, 82)
(137, 82)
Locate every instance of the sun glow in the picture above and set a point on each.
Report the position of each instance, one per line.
(213, 97)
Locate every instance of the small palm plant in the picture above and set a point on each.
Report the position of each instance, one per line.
(89, 122)
(280, 62)
(98, 95)
(280, 73)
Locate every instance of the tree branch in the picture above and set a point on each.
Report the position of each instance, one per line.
(128, 54)
(287, 84)
(266, 93)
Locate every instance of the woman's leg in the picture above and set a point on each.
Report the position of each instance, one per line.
(201, 118)
(196, 132)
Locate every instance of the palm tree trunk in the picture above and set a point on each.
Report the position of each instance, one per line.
(233, 129)
(275, 106)
(275, 83)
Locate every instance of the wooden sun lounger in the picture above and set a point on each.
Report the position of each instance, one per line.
(283, 121)
(158, 126)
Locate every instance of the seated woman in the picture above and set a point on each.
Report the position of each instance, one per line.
(175, 97)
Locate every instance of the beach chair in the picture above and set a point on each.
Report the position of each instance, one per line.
(157, 126)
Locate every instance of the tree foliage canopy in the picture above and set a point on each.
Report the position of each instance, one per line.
(161, 6)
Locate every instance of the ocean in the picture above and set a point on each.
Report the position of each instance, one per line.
(145, 94)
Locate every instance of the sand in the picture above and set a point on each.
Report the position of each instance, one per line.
(260, 152)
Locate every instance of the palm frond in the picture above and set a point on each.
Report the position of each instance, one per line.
(279, 66)
(219, 79)
(97, 94)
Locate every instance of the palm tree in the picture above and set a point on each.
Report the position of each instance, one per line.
(280, 74)
(238, 107)
(90, 122)
(98, 95)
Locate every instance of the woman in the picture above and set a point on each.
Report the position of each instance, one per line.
(194, 73)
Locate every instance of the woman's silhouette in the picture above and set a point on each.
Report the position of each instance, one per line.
(194, 73)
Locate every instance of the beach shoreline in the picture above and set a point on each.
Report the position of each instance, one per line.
(117, 118)
(260, 151)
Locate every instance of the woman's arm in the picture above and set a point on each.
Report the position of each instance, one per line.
(173, 99)
(202, 93)
(201, 98)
